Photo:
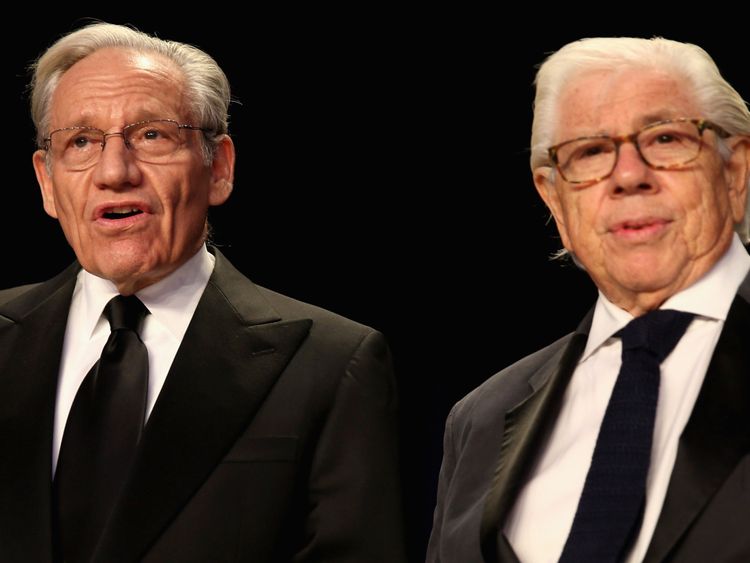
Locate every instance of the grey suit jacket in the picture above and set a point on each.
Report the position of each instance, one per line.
(493, 434)
(273, 438)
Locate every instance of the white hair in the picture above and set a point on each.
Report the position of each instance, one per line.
(207, 85)
(719, 102)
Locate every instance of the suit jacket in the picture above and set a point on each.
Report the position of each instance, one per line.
(492, 437)
(273, 438)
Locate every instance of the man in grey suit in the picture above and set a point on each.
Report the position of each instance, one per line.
(641, 151)
(269, 423)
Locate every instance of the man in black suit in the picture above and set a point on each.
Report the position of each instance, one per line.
(269, 423)
(641, 151)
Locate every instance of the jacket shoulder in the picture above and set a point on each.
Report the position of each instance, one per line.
(16, 302)
(336, 326)
(11, 293)
(509, 386)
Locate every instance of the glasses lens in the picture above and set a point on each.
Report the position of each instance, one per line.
(76, 147)
(670, 144)
(586, 159)
(152, 140)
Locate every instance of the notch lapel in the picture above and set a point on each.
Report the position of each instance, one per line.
(526, 426)
(716, 435)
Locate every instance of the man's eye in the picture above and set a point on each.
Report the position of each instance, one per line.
(591, 151)
(80, 141)
(666, 138)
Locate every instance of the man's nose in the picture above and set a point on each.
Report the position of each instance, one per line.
(117, 166)
(631, 172)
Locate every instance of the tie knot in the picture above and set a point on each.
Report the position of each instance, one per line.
(658, 331)
(125, 313)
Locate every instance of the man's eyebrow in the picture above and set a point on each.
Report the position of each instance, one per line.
(661, 115)
(643, 121)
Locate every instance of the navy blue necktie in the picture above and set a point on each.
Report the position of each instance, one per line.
(101, 433)
(611, 505)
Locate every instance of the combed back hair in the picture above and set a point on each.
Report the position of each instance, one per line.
(206, 84)
(719, 102)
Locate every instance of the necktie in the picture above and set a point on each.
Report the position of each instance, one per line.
(102, 431)
(611, 505)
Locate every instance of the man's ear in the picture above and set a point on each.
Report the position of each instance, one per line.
(737, 174)
(222, 172)
(544, 180)
(44, 178)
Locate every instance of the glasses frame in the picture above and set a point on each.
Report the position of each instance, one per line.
(121, 133)
(700, 124)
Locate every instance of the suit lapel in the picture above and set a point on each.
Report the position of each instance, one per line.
(526, 426)
(233, 352)
(716, 435)
(32, 329)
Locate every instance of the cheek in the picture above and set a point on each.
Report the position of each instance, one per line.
(184, 202)
(67, 204)
(704, 204)
(171, 193)
(580, 211)
(186, 190)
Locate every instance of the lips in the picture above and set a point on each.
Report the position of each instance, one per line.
(640, 229)
(121, 217)
(119, 211)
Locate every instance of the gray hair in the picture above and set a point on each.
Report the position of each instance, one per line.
(719, 102)
(207, 86)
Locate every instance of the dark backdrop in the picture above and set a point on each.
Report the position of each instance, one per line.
(382, 173)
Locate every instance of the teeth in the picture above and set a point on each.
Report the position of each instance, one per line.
(123, 210)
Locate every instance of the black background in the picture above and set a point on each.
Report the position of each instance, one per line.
(383, 174)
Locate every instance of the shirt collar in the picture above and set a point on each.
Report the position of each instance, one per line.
(710, 297)
(167, 300)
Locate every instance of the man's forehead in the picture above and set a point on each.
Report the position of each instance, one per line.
(114, 77)
(119, 60)
(609, 102)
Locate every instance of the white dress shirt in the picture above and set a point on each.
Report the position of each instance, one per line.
(171, 302)
(541, 519)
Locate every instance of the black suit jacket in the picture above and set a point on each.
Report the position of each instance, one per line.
(493, 435)
(273, 438)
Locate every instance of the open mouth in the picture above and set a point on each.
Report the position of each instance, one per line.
(121, 212)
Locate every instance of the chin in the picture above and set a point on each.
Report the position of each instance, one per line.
(647, 279)
(642, 272)
(120, 273)
(117, 266)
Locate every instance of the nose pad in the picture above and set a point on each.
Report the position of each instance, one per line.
(115, 134)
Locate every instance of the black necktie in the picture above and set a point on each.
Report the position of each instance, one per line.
(611, 505)
(102, 431)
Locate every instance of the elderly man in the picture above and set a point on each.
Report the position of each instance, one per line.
(156, 405)
(628, 439)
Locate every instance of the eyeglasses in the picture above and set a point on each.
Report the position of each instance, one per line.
(664, 145)
(152, 141)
